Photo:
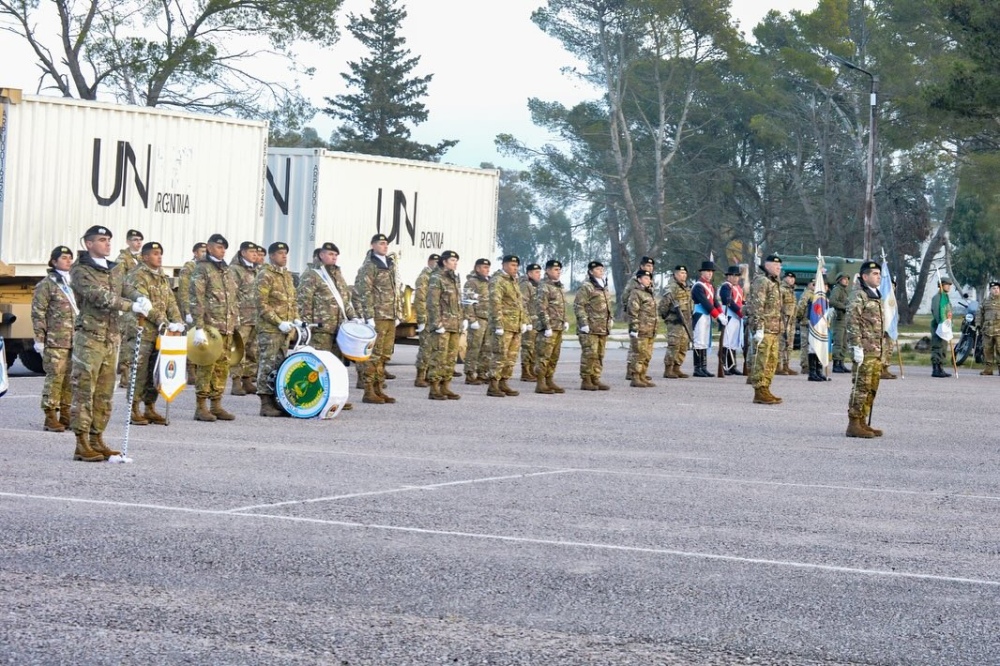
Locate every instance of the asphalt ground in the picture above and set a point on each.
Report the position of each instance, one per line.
(674, 525)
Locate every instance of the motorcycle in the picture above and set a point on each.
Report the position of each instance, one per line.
(970, 341)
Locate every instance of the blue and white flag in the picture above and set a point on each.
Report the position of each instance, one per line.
(3, 368)
(819, 326)
(890, 309)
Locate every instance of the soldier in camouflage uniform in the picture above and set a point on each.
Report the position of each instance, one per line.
(244, 269)
(317, 296)
(987, 320)
(127, 260)
(529, 287)
(380, 308)
(641, 313)
(445, 321)
(764, 322)
(420, 307)
(476, 295)
(212, 301)
(101, 295)
(594, 319)
(786, 342)
(802, 318)
(865, 336)
(277, 315)
(149, 280)
(508, 321)
(645, 264)
(184, 280)
(53, 315)
(675, 310)
(838, 303)
(550, 309)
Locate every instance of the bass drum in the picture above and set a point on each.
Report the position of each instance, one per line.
(311, 384)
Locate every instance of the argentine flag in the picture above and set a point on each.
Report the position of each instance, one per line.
(819, 327)
(890, 310)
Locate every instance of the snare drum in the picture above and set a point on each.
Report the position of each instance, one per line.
(356, 341)
(311, 384)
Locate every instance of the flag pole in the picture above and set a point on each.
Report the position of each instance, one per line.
(899, 357)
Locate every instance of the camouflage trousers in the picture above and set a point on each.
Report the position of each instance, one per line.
(93, 383)
(248, 366)
(477, 351)
(145, 368)
(592, 354)
(640, 353)
(385, 343)
(804, 343)
(786, 344)
(423, 348)
(58, 387)
(271, 348)
(547, 352)
(529, 343)
(210, 380)
(443, 356)
(887, 347)
(324, 341)
(864, 385)
(504, 349)
(991, 348)
(839, 330)
(677, 345)
(764, 361)
(127, 349)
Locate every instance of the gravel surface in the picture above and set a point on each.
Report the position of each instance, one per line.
(673, 525)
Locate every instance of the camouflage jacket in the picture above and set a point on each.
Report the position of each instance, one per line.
(479, 286)
(839, 299)
(420, 294)
(507, 309)
(630, 284)
(765, 305)
(988, 316)
(444, 301)
(318, 305)
(641, 310)
(275, 298)
(802, 308)
(246, 290)
(376, 285)
(787, 303)
(528, 290)
(212, 297)
(127, 261)
(676, 305)
(864, 321)
(592, 307)
(184, 286)
(155, 285)
(101, 294)
(550, 305)
(52, 311)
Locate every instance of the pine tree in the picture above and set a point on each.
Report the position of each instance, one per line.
(384, 97)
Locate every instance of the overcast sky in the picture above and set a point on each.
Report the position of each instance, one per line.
(487, 58)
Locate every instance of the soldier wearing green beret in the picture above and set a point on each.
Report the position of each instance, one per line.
(987, 319)
(764, 320)
(420, 308)
(381, 307)
(675, 309)
(838, 302)
(53, 315)
(508, 321)
(594, 320)
(277, 315)
(245, 269)
(445, 321)
(641, 313)
(476, 299)
(529, 341)
(550, 306)
(865, 336)
(128, 259)
(645, 264)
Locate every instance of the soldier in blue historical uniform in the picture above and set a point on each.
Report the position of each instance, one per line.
(706, 309)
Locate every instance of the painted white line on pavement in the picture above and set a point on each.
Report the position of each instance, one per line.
(829, 568)
(402, 489)
(22, 395)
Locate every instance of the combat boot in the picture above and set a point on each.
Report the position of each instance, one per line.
(939, 371)
(202, 412)
(601, 386)
(219, 413)
(269, 407)
(123, 376)
(65, 414)
(670, 372)
(789, 371)
(815, 371)
(371, 397)
(447, 392)
(680, 374)
(472, 379)
(528, 373)
(507, 389)
(874, 431)
(154, 416)
(137, 417)
(52, 423)
(435, 392)
(250, 385)
(377, 386)
(552, 385)
(775, 399)
(238, 387)
(389, 375)
(838, 366)
(421, 380)
(762, 397)
(84, 452)
(888, 375)
(988, 370)
(494, 390)
(857, 429)
(587, 384)
(638, 382)
(97, 444)
(347, 407)
(542, 385)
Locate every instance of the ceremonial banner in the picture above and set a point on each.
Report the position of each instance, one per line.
(890, 309)
(3, 368)
(171, 365)
(819, 326)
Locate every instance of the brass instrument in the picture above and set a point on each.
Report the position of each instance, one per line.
(204, 354)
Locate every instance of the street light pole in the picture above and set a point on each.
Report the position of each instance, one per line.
(872, 118)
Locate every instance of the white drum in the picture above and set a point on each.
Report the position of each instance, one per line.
(311, 384)
(356, 341)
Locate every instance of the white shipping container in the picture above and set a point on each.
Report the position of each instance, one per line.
(315, 196)
(176, 177)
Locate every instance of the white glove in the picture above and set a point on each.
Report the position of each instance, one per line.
(474, 326)
(439, 330)
(175, 327)
(758, 336)
(565, 326)
(297, 322)
(357, 320)
(39, 347)
(633, 334)
(524, 329)
(584, 329)
(146, 302)
(397, 322)
(285, 326)
(421, 327)
(723, 320)
(499, 331)
(189, 319)
(370, 322)
(548, 332)
(465, 325)
(142, 306)
(859, 355)
(531, 327)
(200, 339)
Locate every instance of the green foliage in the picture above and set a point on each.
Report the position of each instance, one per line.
(515, 231)
(975, 231)
(385, 97)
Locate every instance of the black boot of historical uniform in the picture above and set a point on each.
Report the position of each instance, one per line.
(700, 363)
(815, 372)
(939, 371)
(838, 366)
